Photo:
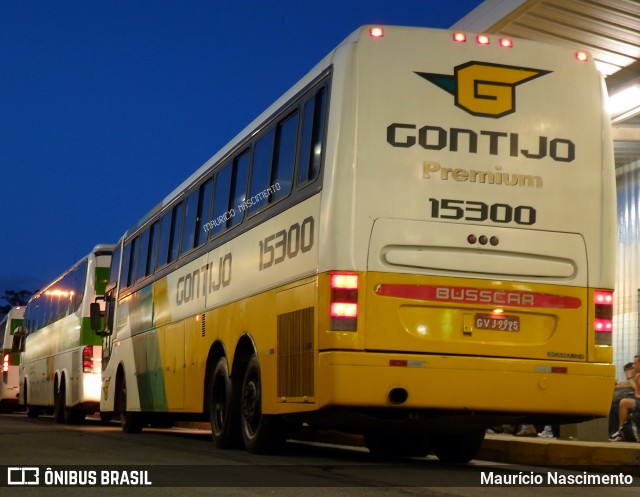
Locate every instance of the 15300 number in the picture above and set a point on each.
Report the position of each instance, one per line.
(286, 243)
(470, 210)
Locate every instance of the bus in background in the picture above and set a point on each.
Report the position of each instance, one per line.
(9, 391)
(414, 243)
(61, 355)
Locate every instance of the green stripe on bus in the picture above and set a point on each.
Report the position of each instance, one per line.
(102, 278)
(150, 379)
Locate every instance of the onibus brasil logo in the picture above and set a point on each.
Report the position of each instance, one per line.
(484, 89)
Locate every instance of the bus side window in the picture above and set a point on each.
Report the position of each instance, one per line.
(135, 256)
(144, 253)
(221, 199)
(154, 242)
(126, 262)
(261, 171)
(190, 216)
(285, 157)
(165, 237)
(113, 271)
(176, 231)
(312, 137)
(204, 212)
(239, 186)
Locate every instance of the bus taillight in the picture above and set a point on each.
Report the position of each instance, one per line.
(87, 359)
(344, 301)
(603, 322)
(5, 363)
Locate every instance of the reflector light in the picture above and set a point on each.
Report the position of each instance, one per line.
(344, 310)
(398, 363)
(459, 37)
(376, 32)
(506, 42)
(5, 364)
(344, 281)
(87, 359)
(483, 39)
(582, 56)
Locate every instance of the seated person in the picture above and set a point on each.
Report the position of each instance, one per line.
(623, 389)
(629, 406)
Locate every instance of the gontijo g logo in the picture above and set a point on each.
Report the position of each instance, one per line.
(484, 89)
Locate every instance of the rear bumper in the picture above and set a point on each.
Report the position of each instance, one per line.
(463, 383)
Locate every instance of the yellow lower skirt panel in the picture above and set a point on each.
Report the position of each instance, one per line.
(465, 383)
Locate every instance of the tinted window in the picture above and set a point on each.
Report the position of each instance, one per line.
(144, 254)
(126, 263)
(312, 137)
(221, 199)
(154, 242)
(286, 157)
(204, 212)
(176, 229)
(165, 238)
(135, 255)
(190, 216)
(115, 263)
(239, 186)
(261, 171)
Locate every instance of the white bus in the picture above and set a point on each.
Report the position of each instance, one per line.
(414, 243)
(9, 390)
(61, 355)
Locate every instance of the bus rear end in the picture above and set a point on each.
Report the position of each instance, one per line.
(480, 234)
(9, 389)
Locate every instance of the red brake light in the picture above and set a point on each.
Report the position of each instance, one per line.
(603, 320)
(87, 359)
(459, 37)
(483, 40)
(344, 310)
(506, 42)
(376, 32)
(5, 364)
(344, 281)
(603, 297)
(344, 301)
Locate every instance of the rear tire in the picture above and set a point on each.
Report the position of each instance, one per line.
(32, 412)
(131, 422)
(59, 394)
(457, 448)
(262, 433)
(223, 409)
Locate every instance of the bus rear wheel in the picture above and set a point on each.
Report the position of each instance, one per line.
(58, 401)
(262, 433)
(223, 408)
(131, 422)
(32, 412)
(457, 448)
(62, 413)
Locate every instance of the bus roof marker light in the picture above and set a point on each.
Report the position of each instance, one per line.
(506, 42)
(483, 40)
(376, 32)
(582, 56)
(459, 37)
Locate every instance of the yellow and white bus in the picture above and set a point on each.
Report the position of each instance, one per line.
(415, 242)
(9, 389)
(61, 355)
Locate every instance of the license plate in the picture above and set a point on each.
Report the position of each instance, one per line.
(497, 322)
